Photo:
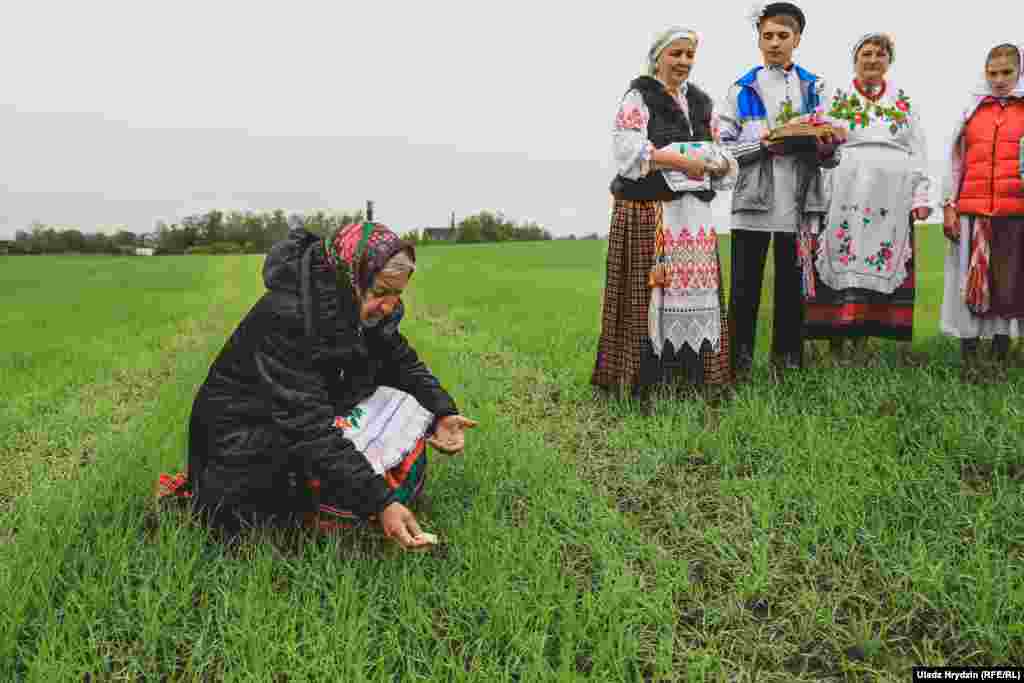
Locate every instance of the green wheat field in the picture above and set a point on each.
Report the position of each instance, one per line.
(844, 524)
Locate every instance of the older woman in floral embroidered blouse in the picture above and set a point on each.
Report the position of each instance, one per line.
(663, 319)
(861, 282)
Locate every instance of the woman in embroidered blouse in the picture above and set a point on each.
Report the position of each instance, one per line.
(861, 281)
(663, 318)
(984, 214)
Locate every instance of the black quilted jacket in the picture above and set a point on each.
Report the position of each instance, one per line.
(265, 414)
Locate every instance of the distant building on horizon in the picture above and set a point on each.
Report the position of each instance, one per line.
(438, 234)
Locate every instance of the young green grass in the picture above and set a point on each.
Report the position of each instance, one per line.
(98, 585)
(84, 339)
(884, 498)
(846, 523)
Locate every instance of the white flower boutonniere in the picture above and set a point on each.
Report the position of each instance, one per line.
(755, 14)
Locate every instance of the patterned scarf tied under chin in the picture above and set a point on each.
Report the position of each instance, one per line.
(358, 251)
(977, 293)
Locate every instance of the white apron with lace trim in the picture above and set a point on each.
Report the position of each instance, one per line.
(687, 311)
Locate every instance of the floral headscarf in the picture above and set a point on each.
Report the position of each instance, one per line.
(361, 250)
(663, 40)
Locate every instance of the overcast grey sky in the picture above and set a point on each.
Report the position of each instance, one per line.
(119, 113)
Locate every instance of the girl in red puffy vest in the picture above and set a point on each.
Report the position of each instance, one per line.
(984, 214)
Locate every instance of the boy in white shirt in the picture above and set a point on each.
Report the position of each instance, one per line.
(776, 190)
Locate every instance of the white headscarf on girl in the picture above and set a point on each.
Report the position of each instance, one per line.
(983, 89)
(663, 40)
(954, 171)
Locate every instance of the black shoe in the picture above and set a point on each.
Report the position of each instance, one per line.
(969, 366)
(744, 361)
(642, 396)
(1001, 348)
(791, 360)
(968, 351)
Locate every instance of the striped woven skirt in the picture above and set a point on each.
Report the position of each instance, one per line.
(626, 358)
(856, 312)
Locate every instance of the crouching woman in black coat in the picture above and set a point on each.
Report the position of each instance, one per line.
(318, 390)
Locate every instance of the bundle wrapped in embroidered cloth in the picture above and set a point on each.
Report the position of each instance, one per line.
(679, 181)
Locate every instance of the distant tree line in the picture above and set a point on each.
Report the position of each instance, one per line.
(486, 226)
(237, 232)
(588, 236)
(248, 232)
(212, 232)
(43, 239)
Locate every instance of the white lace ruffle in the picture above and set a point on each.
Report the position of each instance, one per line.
(684, 327)
(687, 316)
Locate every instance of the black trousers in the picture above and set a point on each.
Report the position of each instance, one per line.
(749, 251)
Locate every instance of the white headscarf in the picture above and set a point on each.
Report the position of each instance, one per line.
(663, 40)
(875, 35)
(983, 89)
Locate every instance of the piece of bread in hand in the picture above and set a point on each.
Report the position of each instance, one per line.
(431, 541)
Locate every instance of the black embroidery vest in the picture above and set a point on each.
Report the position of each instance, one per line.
(667, 124)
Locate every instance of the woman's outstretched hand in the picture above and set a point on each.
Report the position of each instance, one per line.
(450, 434)
(400, 524)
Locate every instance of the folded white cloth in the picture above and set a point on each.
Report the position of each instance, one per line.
(386, 427)
(679, 181)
